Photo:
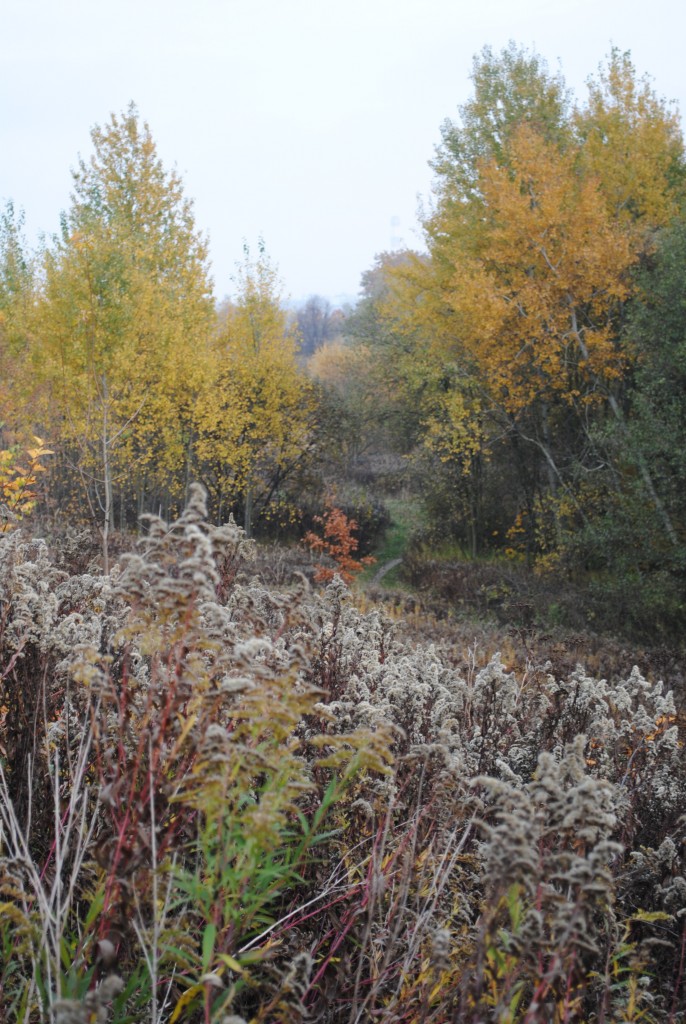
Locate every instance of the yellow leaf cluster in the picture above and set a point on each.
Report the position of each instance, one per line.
(254, 404)
(632, 143)
(534, 307)
(17, 484)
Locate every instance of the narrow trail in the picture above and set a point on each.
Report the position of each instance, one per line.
(385, 569)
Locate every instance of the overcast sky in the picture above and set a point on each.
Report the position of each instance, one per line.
(309, 123)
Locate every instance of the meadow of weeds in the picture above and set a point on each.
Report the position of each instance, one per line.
(230, 798)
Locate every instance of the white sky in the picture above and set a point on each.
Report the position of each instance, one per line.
(307, 122)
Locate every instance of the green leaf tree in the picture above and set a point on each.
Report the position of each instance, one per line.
(639, 572)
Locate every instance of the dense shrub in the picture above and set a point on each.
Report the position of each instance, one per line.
(226, 800)
(371, 517)
(505, 590)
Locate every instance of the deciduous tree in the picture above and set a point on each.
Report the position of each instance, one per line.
(125, 318)
(541, 211)
(254, 413)
(17, 292)
(631, 140)
(316, 324)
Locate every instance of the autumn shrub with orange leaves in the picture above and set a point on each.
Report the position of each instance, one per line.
(338, 544)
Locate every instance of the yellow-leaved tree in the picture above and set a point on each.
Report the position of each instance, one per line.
(254, 411)
(631, 140)
(122, 327)
(541, 212)
(18, 382)
(535, 294)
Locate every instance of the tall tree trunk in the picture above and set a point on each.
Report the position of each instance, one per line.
(551, 469)
(247, 517)
(107, 475)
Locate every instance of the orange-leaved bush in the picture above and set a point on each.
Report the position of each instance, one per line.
(338, 543)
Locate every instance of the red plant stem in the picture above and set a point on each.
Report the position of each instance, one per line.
(139, 794)
(568, 989)
(680, 974)
(335, 946)
(325, 906)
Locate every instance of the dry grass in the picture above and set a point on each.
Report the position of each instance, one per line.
(226, 797)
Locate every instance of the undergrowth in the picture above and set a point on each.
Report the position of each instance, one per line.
(224, 799)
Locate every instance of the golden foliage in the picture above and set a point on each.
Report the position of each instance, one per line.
(535, 299)
(17, 484)
(254, 406)
(632, 142)
(125, 310)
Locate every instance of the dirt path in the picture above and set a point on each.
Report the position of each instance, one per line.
(385, 569)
